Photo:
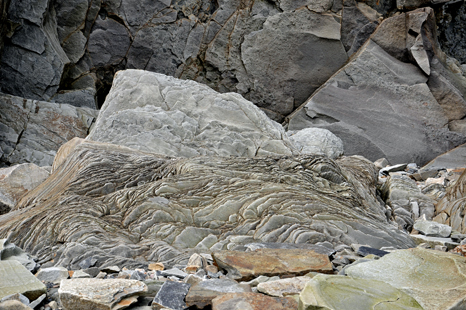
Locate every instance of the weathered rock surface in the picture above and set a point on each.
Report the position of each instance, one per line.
(32, 131)
(172, 296)
(252, 301)
(283, 287)
(112, 204)
(435, 279)
(20, 280)
(9, 251)
(13, 305)
(157, 113)
(449, 160)
(432, 229)
(450, 208)
(340, 292)
(379, 104)
(52, 274)
(317, 141)
(202, 294)
(17, 180)
(244, 266)
(98, 293)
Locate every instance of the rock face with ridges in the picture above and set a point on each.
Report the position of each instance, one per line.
(450, 208)
(32, 131)
(115, 204)
(435, 279)
(157, 113)
(392, 95)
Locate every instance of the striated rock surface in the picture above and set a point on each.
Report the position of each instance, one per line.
(157, 113)
(252, 301)
(32, 131)
(245, 266)
(17, 180)
(98, 293)
(341, 293)
(435, 279)
(17, 279)
(317, 141)
(118, 205)
(392, 95)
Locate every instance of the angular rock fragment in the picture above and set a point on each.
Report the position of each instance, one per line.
(17, 279)
(244, 266)
(172, 296)
(317, 141)
(340, 292)
(252, 301)
(283, 287)
(450, 208)
(9, 251)
(52, 274)
(98, 293)
(435, 279)
(202, 294)
(432, 229)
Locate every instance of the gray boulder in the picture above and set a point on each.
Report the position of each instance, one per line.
(32, 131)
(157, 113)
(432, 229)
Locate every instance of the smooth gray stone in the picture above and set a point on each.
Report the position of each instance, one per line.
(432, 229)
(455, 158)
(171, 295)
(52, 274)
(20, 280)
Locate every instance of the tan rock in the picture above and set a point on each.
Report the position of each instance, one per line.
(156, 266)
(244, 266)
(13, 305)
(283, 287)
(99, 294)
(253, 301)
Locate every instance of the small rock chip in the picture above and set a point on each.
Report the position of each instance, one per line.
(156, 266)
(171, 295)
(211, 269)
(174, 272)
(110, 269)
(364, 251)
(79, 274)
(252, 301)
(283, 287)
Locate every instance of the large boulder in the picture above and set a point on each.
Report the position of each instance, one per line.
(120, 206)
(158, 113)
(32, 131)
(395, 97)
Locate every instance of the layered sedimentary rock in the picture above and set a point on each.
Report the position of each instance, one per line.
(450, 209)
(123, 206)
(395, 98)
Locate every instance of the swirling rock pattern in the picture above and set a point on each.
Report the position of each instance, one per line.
(123, 206)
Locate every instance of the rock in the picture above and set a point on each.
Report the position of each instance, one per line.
(450, 208)
(433, 241)
(154, 120)
(369, 79)
(38, 301)
(171, 295)
(34, 130)
(253, 301)
(244, 266)
(202, 294)
(340, 292)
(432, 229)
(318, 142)
(98, 293)
(9, 251)
(449, 160)
(395, 168)
(381, 163)
(19, 297)
(110, 269)
(275, 245)
(79, 274)
(435, 279)
(156, 266)
(52, 274)
(185, 202)
(364, 251)
(283, 287)
(17, 180)
(13, 305)
(20, 280)
(175, 272)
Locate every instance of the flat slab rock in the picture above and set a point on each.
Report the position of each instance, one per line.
(437, 280)
(99, 294)
(202, 294)
(15, 278)
(283, 287)
(253, 301)
(172, 296)
(346, 293)
(244, 266)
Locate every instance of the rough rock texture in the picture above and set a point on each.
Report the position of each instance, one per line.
(245, 266)
(52, 274)
(432, 229)
(435, 279)
(32, 131)
(115, 204)
(450, 160)
(317, 141)
(172, 296)
(451, 30)
(381, 106)
(450, 209)
(201, 294)
(20, 280)
(157, 113)
(283, 287)
(345, 293)
(253, 301)
(98, 294)
(9, 251)
(17, 180)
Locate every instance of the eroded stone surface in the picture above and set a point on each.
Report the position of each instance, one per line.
(283, 287)
(450, 208)
(112, 204)
(252, 301)
(19, 280)
(435, 279)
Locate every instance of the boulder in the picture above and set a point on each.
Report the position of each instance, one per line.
(317, 141)
(99, 293)
(252, 301)
(34, 130)
(244, 266)
(157, 113)
(172, 296)
(209, 203)
(20, 280)
(17, 180)
(384, 89)
(341, 293)
(432, 229)
(435, 279)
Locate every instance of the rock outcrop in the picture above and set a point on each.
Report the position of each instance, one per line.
(118, 205)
